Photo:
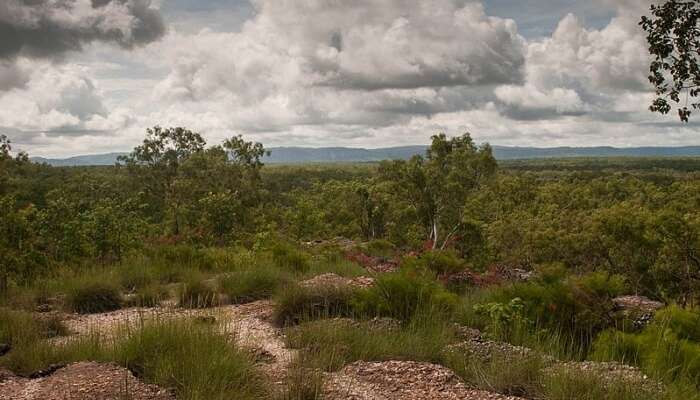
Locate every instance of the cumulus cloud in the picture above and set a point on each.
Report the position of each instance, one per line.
(56, 101)
(49, 28)
(359, 64)
(582, 70)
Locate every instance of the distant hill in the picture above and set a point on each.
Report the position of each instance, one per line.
(296, 155)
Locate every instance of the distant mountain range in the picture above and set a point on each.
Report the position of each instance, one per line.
(296, 155)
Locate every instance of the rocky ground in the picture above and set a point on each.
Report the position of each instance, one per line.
(394, 380)
(81, 381)
(250, 326)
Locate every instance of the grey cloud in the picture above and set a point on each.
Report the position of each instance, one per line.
(50, 28)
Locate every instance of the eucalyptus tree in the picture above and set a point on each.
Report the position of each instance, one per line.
(438, 185)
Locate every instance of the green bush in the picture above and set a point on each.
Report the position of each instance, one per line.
(196, 293)
(438, 261)
(88, 296)
(290, 258)
(185, 255)
(664, 349)
(252, 284)
(402, 295)
(296, 303)
(575, 306)
(379, 248)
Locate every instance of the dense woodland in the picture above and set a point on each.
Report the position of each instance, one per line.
(454, 222)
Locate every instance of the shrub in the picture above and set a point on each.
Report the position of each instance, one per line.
(575, 306)
(296, 303)
(379, 248)
(663, 349)
(437, 261)
(402, 295)
(90, 296)
(288, 257)
(185, 255)
(252, 284)
(196, 293)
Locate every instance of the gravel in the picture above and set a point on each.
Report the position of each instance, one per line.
(391, 380)
(84, 380)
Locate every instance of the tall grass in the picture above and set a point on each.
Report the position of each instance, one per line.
(197, 361)
(253, 283)
(331, 344)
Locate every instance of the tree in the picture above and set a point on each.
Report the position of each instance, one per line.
(156, 164)
(438, 186)
(673, 35)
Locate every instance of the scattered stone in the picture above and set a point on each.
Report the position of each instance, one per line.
(206, 319)
(639, 309)
(466, 333)
(260, 355)
(84, 380)
(44, 308)
(48, 371)
(608, 373)
(4, 349)
(637, 303)
(334, 280)
(394, 380)
(6, 374)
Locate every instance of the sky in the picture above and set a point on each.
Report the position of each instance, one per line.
(89, 76)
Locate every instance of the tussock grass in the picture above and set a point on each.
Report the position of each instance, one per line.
(250, 284)
(295, 303)
(331, 344)
(196, 360)
(196, 293)
(91, 295)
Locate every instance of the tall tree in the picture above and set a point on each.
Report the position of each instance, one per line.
(437, 186)
(157, 162)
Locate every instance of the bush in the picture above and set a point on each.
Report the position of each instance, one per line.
(185, 255)
(196, 293)
(437, 261)
(663, 349)
(379, 248)
(288, 257)
(252, 284)
(402, 295)
(93, 296)
(575, 306)
(296, 303)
